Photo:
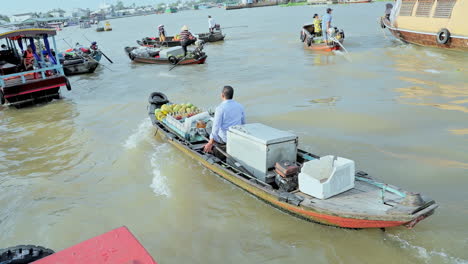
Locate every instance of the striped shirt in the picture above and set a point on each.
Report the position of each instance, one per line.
(185, 35)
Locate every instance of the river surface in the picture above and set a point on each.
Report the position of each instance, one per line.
(78, 167)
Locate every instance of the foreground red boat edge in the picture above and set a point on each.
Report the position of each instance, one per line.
(118, 246)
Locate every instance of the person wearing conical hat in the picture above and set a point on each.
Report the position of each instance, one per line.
(162, 33)
(186, 39)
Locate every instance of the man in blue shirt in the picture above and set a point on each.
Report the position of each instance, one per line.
(229, 113)
(326, 24)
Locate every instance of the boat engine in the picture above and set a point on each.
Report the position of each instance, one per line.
(286, 175)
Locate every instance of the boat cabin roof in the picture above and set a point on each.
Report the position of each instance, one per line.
(26, 32)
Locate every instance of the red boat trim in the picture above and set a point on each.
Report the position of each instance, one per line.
(35, 90)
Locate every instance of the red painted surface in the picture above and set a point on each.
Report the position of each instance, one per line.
(342, 221)
(323, 47)
(36, 90)
(118, 246)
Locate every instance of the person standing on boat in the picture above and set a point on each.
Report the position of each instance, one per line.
(229, 113)
(162, 33)
(211, 24)
(326, 24)
(317, 25)
(388, 10)
(186, 39)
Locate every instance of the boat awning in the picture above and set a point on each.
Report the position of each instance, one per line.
(26, 32)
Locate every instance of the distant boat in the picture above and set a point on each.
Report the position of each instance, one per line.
(170, 10)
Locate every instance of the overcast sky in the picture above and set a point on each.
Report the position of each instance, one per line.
(10, 7)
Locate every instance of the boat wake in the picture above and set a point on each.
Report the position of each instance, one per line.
(166, 74)
(159, 183)
(428, 256)
(141, 133)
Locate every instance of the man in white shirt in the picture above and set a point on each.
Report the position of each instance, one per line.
(229, 113)
(211, 24)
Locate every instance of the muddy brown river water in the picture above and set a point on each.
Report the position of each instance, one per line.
(78, 167)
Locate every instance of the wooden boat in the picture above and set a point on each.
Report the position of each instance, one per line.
(440, 24)
(361, 207)
(198, 57)
(155, 42)
(25, 87)
(81, 63)
(313, 42)
(211, 37)
(252, 5)
(80, 66)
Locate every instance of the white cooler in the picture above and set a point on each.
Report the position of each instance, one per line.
(323, 178)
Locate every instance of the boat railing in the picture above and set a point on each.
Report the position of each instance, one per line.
(23, 75)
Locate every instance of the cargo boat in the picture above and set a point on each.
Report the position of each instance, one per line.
(313, 42)
(38, 85)
(440, 24)
(369, 204)
(211, 37)
(172, 55)
(156, 42)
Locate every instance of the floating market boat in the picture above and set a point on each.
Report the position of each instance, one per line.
(118, 246)
(156, 42)
(314, 42)
(107, 26)
(354, 1)
(19, 87)
(211, 37)
(267, 163)
(81, 64)
(440, 24)
(174, 55)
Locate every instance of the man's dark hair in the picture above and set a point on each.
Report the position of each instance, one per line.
(228, 92)
(315, 15)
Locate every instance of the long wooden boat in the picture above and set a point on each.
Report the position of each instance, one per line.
(252, 5)
(199, 58)
(316, 43)
(440, 24)
(354, 1)
(19, 88)
(156, 42)
(361, 207)
(79, 66)
(211, 37)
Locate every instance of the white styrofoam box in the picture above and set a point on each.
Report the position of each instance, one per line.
(324, 178)
(258, 147)
(174, 51)
(188, 123)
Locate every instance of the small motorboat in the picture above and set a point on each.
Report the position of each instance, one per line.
(156, 42)
(315, 41)
(211, 37)
(107, 26)
(85, 61)
(267, 163)
(100, 27)
(174, 55)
